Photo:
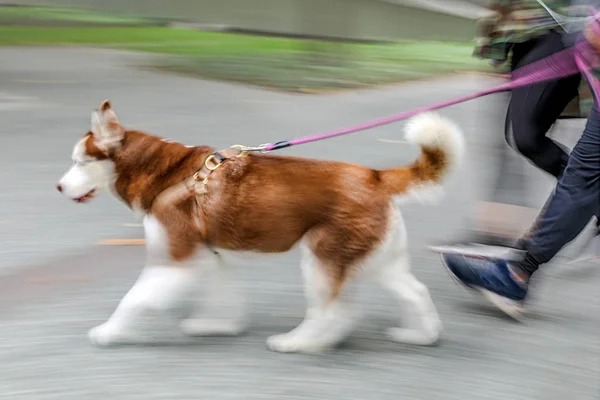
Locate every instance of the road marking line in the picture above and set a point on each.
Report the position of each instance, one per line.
(122, 242)
(133, 225)
(393, 141)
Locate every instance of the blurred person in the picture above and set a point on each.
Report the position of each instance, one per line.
(522, 32)
(573, 203)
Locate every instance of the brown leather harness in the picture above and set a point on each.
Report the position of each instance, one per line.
(196, 186)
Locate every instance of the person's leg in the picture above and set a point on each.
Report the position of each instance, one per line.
(574, 202)
(509, 187)
(507, 212)
(535, 108)
(478, 228)
(531, 113)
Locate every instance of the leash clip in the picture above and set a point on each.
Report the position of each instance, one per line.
(245, 149)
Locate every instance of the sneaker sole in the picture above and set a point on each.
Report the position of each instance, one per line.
(509, 307)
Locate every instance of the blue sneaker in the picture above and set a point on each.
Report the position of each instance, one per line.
(492, 278)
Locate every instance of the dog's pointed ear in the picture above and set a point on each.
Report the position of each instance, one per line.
(96, 126)
(107, 114)
(110, 132)
(105, 105)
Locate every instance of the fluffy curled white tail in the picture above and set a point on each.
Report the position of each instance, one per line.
(442, 148)
(433, 132)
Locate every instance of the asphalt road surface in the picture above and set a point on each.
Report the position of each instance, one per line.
(57, 280)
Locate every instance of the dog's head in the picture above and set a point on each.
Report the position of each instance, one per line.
(92, 167)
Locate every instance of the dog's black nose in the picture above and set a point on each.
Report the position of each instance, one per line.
(59, 187)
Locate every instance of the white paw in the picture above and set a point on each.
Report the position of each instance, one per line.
(211, 327)
(108, 334)
(293, 343)
(415, 336)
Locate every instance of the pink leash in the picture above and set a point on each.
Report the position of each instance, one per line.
(568, 62)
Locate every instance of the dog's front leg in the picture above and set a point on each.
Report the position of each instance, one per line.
(223, 313)
(162, 284)
(157, 289)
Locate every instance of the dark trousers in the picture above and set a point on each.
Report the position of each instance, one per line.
(531, 113)
(535, 108)
(576, 199)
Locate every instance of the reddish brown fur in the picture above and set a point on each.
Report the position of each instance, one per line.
(428, 166)
(105, 106)
(266, 203)
(92, 150)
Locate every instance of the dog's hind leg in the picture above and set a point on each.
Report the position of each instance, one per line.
(223, 313)
(423, 325)
(329, 315)
(161, 285)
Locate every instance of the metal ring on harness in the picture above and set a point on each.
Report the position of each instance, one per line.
(215, 160)
(211, 164)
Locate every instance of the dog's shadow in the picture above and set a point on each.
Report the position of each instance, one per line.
(369, 339)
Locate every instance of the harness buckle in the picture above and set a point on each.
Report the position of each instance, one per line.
(211, 163)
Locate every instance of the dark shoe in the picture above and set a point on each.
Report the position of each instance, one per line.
(492, 278)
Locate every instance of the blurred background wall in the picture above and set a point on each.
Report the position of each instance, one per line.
(448, 20)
